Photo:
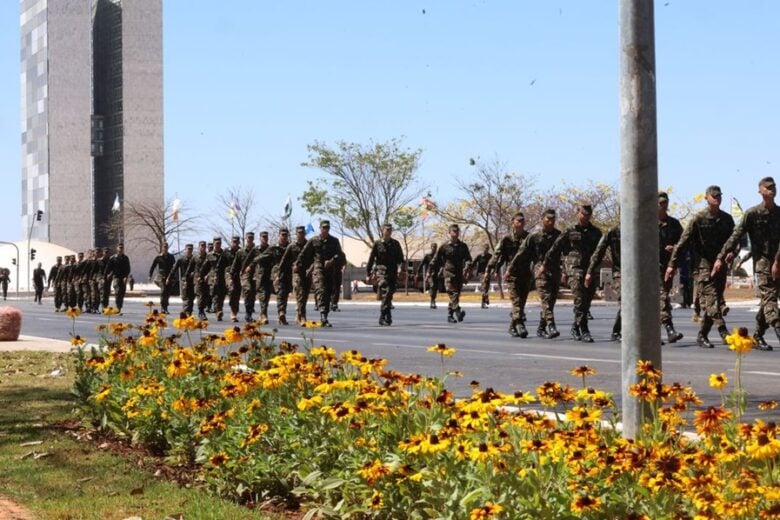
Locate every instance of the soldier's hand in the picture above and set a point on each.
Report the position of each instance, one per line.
(506, 275)
(588, 279)
(328, 263)
(541, 270)
(716, 266)
(729, 257)
(668, 274)
(775, 270)
(669, 249)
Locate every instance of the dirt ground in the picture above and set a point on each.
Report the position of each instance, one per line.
(11, 511)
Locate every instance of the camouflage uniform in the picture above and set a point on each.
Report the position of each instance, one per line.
(105, 281)
(301, 281)
(232, 279)
(280, 283)
(706, 235)
(320, 254)
(52, 280)
(216, 266)
(79, 272)
(548, 284)
(383, 262)
(422, 272)
(263, 284)
(163, 263)
(480, 263)
(609, 241)
(338, 281)
(669, 233)
(453, 259)
(518, 276)
(184, 269)
(96, 275)
(200, 279)
(241, 268)
(118, 268)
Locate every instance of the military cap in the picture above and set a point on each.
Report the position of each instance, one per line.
(264, 233)
(663, 196)
(59, 258)
(549, 212)
(454, 227)
(284, 230)
(766, 181)
(519, 216)
(300, 228)
(121, 244)
(387, 225)
(235, 238)
(250, 234)
(434, 244)
(188, 246)
(325, 223)
(585, 207)
(217, 239)
(714, 191)
(202, 243)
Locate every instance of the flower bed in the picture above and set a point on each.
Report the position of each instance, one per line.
(339, 435)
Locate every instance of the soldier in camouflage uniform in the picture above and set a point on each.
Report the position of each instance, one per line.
(95, 276)
(574, 247)
(610, 241)
(52, 280)
(338, 281)
(454, 260)
(216, 267)
(73, 293)
(517, 275)
(241, 267)
(61, 282)
(480, 265)
(262, 274)
(424, 269)
(669, 233)
(762, 225)
(76, 279)
(118, 269)
(321, 254)
(184, 270)
(385, 260)
(90, 264)
(200, 279)
(232, 280)
(163, 263)
(269, 261)
(106, 287)
(706, 234)
(300, 277)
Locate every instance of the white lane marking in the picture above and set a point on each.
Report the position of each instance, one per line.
(762, 373)
(423, 346)
(315, 340)
(568, 358)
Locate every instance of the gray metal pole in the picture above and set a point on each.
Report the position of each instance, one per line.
(639, 201)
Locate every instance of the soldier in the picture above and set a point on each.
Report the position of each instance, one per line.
(79, 272)
(338, 281)
(481, 262)
(321, 254)
(262, 274)
(300, 278)
(118, 269)
(232, 280)
(762, 225)
(669, 233)
(183, 268)
(609, 241)
(242, 262)
(517, 275)
(95, 286)
(61, 282)
(385, 260)
(200, 279)
(423, 271)
(52, 279)
(163, 263)
(281, 283)
(73, 294)
(39, 278)
(454, 260)
(106, 278)
(215, 269)
(86, 280)
(5, 277)
(706, 234)
(574, 247)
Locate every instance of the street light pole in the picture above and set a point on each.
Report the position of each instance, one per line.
(38, 216)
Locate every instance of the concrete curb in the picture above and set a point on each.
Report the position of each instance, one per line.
(35, 344)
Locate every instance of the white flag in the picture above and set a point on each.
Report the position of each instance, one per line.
(176, 206)
(115, 207)
(287, 208)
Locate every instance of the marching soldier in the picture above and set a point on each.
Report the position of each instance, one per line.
(762, 225)
(232, 280)
(52, 280)
(454, 260)
(118, 269)
(424, 270)
(214, 269)
(184, 269)
(280, 283)
(574, 247)
(609, 241)
(200, 279)
(39, 277)
(106, 278)
(163, 263)
(518, 273)
(706, 234)
(481, 263)
(95, 276)
(300, 278)
(338, 281)
(62, 282)
(76, 280)
(241, 262)
(73, 294)
(669, 233)
(262, 274)
(321, 254)
(384, 262)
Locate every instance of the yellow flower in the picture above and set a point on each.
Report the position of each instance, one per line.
(376, 500)
(187, 323)
(583, 371)
(104, 392)
(311, 324)
(255, 431)
(489, 510)
(580, 415)
(73, 312)
(584, 503)
(234, 335)
(148, 338)
(740, 341)
(110, 311)
(763, 447)
(718, 380)
(77, 341)
(218, 459)
(767, 405)
(442, 349)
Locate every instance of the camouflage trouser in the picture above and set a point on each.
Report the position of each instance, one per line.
(73, 296)
(218, 291)
(338, 281)
(387, 284)
(94, 294)
(768, 314)
(711, 295)
(302, 288)
(617, 327)
(264, 292)
(234, 293)
(282, 288)
(165, 290)
(583, 296)
(187, 290)
(666, 302)
(433, 287)
(453, 285)
(485, 288)
(322, 280)
(519, 287)
(202, 294)
(57, 295)
(85, 293)
(548, 286)
(248, 292)
(106, 292)
(120, 287)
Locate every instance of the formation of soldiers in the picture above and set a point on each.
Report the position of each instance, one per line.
(85, 281)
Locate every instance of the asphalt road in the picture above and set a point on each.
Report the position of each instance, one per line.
(485, 352)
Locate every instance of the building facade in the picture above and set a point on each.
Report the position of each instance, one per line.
(92, 120)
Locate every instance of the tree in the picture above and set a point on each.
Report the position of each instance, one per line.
(158, 223)
(364, 186)
(488, 200)
(604, 198)
(234, 214)
(406, 221)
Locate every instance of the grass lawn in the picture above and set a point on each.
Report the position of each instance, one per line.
(53, 470)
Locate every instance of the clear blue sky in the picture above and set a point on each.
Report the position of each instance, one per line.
(534, 83)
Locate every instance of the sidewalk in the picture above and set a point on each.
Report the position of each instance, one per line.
(34, 343)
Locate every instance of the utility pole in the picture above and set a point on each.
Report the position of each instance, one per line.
(639, 203)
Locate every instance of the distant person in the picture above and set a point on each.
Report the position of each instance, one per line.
(39, 278)
(131, 282)
(118, 270)
(5, 277)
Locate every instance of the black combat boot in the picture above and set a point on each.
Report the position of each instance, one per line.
(513, 329)
(761, 343)
(324, 320)
(451, 318)
(552, 330)
(541, 331)
(586, 337)
(484, 302)
(575, 333)
(672, 335)
(703, 342)
(723, 331)
(335, 307)
(521, 328)
(433, 303)
(382, 321)
(460, 313)
(388, 317)
(617, 328)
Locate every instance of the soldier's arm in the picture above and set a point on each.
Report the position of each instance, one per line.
(732, 244)
(496, 261)
(436, 262)
(683, 243)
(554, 250)
(151, 269)
(371, 260)
(598, 254)
(523, 256)
(305, 257)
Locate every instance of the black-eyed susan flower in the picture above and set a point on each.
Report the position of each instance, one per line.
(489, 510)
(740, 341)
(73, 312)
(218, 459)
(584, 502)
(110, 311)
(77, 341)
(441, 348)
(767, 405)
(718, 381)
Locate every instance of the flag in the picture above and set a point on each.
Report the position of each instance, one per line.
(428, 204)
(175, 207)
(116, 206)
(736, 210)
(287, 208)
(309, 228)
